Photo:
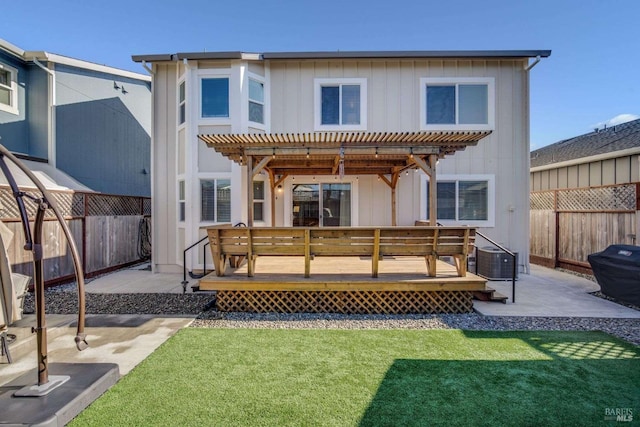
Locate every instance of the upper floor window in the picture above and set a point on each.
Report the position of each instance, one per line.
(256, 101)
(182, 103)
(8, 89)
(215, 97)
(459, 103)
(462, 199)
(341, 104)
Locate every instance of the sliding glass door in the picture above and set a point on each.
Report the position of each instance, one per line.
(323, 204)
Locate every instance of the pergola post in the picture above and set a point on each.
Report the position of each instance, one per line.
(394, 184)
(250, 191)
(433, 190)
(272, 185)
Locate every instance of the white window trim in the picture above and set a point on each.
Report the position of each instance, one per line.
(491, 198)
(263, 200)
(13, 87)
(180, 201)
(318, 83)
(211, 177)
(259, 79)
(178, 103)
(491, 100)
(214, 74)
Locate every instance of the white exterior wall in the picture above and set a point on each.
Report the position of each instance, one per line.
(393, 104)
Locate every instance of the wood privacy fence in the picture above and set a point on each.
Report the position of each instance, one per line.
(110, 231)
(569, 224)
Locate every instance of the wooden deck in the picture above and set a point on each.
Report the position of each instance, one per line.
(344, 285)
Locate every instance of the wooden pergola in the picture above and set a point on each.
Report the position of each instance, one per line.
(385, 154)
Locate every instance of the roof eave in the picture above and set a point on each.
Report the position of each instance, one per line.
(498, 54)
(427, 54)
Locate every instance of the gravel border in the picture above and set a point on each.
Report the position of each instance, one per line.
(200, 305)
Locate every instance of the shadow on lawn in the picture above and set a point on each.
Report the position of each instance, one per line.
(574, 387)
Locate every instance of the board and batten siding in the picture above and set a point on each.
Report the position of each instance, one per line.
(617, 170)
(166, 246)
(393, 104)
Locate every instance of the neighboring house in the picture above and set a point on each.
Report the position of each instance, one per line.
(365, 120)
(89, 121)
(585, 195)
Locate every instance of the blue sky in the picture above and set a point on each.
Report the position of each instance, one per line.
(592, 76)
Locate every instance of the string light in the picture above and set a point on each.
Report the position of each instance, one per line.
(376, 152)
(411, 153)
(273, 156)
(307, 153)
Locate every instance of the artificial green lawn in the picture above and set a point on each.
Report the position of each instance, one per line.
(267, 377)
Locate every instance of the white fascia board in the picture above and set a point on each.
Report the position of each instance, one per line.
(589, 159)
(72, 62)
(10, 48)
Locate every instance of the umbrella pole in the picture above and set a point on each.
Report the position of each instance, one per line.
(41, 323)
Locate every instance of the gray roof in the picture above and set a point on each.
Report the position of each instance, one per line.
(348, 55)
(615, 138)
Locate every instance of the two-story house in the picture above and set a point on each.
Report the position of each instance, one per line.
(339, 138)
(89, 121)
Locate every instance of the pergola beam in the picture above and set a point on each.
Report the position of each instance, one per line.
(348, 151)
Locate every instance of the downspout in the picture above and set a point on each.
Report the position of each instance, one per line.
(51, 146)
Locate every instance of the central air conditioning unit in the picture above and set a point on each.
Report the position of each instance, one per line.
(495, 264)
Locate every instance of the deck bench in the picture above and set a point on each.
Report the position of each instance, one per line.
(376, 242)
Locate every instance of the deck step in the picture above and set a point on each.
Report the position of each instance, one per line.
(490, 294)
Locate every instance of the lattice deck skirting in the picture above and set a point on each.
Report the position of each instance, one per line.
(346, 302)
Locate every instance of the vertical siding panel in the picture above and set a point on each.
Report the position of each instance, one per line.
(407, 97)
(595, 174)
(623, 170)
(572, 176)
(583, 175)
(291, 107)
(277, 97)
(364, 70)
(562, 178)
(608, 172)
(377, 98)
(307, 71)
(393, 95)
(544, 180)
(635, 168)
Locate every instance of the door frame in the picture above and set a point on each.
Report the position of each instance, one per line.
(306, 179)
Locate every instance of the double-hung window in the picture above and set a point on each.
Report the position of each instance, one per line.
(214, 97)
(181, 201)
(256, 101)
(8, 89)
(341, 104)
(457, 104)
(182, 107)
(462, 199)
(258, 200)
(215, 200)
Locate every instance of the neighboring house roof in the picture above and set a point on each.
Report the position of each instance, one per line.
(620, 138)
(346, 55)
(30, 56)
